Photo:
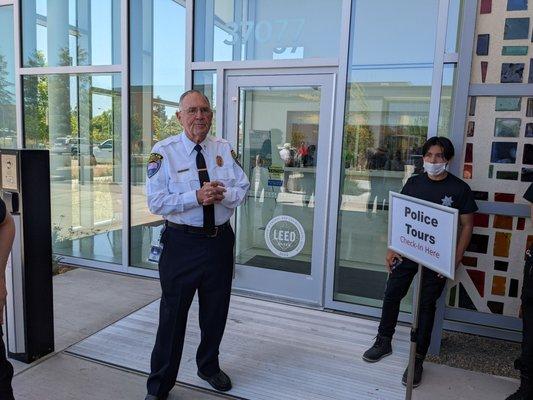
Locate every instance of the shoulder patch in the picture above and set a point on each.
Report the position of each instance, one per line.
(154, 164)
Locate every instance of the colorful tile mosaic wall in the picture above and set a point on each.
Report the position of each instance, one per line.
(498, 160)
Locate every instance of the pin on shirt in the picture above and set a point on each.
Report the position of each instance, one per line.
(220, 161)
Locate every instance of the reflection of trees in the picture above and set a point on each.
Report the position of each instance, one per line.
(358, 137)
(7, 101)
(35, 105)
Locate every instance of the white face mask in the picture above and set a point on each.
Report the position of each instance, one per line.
(434, 169)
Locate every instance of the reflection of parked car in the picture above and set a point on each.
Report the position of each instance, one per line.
(104, 152)
(71, 145)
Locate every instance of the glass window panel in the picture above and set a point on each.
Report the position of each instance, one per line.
(70, 32)
(446, 100)
(386, 122)
(482, 48)
(508, 103)
(278, 138)
(157, 75)
(77, 117)
(8, 123)
(452, 29)
(206, 82)
(230, 30)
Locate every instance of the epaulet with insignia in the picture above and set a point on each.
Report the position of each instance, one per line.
(154, 164)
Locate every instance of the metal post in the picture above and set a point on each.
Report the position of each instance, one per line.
(414, 329)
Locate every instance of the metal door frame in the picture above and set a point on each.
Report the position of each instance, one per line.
(307, 289)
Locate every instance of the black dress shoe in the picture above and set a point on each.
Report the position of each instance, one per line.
(220, 381)
(152, 397)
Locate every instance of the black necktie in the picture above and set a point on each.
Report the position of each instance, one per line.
(209, 211)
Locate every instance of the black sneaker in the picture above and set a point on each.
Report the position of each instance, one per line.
(417, 379)
(220, 381)
(381, 348)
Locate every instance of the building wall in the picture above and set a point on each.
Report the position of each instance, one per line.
(497, 159)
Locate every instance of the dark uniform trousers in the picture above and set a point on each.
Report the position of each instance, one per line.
(397, 287)
(6, 372)
(525, 364)
(189, 262)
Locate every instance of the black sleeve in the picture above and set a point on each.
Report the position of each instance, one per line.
(468, 203)
(407, 188)
(2, 211)
(528, 195)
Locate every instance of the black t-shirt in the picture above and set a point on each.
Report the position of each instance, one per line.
(528, 195)
(450, 191)
(2, 211)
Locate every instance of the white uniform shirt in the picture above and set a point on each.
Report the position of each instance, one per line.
(172, 179)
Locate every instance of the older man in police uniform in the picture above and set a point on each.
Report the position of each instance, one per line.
(195, 183)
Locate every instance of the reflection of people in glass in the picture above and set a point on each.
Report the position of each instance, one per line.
(259, 178)
(302, 154)
(395, 163)
(377, 162)
(438, 186)
(311, 155)
(287, 155)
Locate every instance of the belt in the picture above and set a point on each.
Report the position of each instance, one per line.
(199, 230)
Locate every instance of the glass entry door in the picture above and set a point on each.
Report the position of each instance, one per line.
(281, 129)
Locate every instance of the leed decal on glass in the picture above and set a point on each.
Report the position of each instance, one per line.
(507, 175)
(507, 103)
(528, 154)
(514, 50)
(516, 28)
(482, 48)
(507, 127)
(526, 175)
(503, 152)
(512, 73)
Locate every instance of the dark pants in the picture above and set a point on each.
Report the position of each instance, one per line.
(6, 372)
(526, 358)
(191, 262)
(397, 287)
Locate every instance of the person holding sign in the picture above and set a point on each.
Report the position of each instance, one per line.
(439, 186)
(525, 362)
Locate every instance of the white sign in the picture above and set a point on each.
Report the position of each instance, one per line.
(424, 232)
(284, 236)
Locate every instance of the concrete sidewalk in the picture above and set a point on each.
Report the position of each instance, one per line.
(88, 301)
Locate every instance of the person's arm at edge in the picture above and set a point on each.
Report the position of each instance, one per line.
(465, 234)
(7, 234)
